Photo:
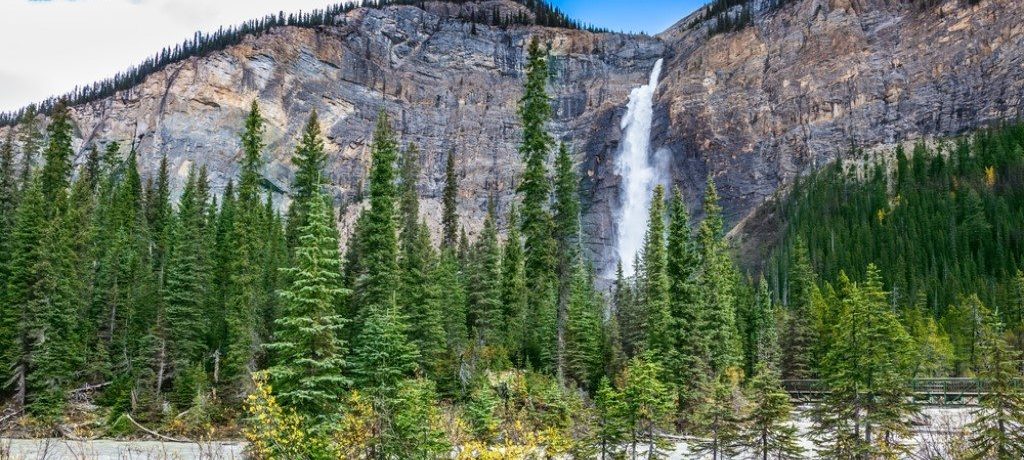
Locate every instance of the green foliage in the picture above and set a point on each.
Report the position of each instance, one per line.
(450, 213)
(308, 353)
(867, 410)
(942, 224)
(719, 417)
(718, 281)
(310, 161)
(768, 430)
(246, 297)
(995, 428)
(648, 402)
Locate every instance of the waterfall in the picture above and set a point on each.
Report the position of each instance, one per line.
(637, 172)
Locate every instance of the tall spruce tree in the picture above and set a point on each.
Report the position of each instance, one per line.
(246, 294)
(801, 335)
(867, 411)
(539, 246)
(450, 202)
(513, 290)
(485, 291)
(996, 425)
(308, 354)
(31, 141)
(382, 353)
(310, 161)
(724, 347)
(769, 431)
(658, 327)
(186, 285)
(567, 235)
(683, 270)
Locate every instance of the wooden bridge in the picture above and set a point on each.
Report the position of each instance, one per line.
(941, 391)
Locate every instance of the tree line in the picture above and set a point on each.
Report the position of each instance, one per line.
(218, 312)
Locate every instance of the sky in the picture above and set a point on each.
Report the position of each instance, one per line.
(47, 47)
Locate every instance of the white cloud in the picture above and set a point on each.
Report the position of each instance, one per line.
(49, 47)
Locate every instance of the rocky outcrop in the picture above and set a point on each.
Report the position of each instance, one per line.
(754, 108)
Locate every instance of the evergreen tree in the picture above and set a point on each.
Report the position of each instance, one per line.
(417, 295)
(20, 318)
(611, 420)
(382, 353)
(764, 338)
(659, 327)
(308, 354)
(717, 287)
(720, 417)
(866, 412)
(539, 250)
(485, 307)
(8, 208)
(310, 161)
(769, 432)
(513, 291)
(31, 141)
(683, 270)
(996, 425)
(55, 177)
(566, 233)
(246, 294)
(583, 354)
(186, 283)
(801, 336)
(647, 403)
(450, 213)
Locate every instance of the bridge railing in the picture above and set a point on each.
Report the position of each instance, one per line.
(943, 390)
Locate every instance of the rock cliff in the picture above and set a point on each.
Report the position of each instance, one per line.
(754, 108)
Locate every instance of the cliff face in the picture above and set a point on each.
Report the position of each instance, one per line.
(754, 108)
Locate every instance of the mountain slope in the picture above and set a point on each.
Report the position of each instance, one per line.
(754, 107)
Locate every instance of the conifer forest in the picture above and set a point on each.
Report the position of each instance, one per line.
(131, 310)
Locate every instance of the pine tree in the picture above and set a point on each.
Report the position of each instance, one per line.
(485, 307)
(566, 233)
(310, 161)
(769, 432)
(647, 401)
(764, 338)
(611, 420)
(539, 250)
(683, 269)
(720, 416)
(416, 295)
(995, 428)
(55, 177)
(416, 423)
(450, 213)
(717, 287)
(867, 410)
(513, 291)
(658, 328)
(801, 336)
(8, 207)
(382, 354)
(19, 318)
(583, 354)
(308, 356)
(186, 285)
(31, 140)
(246, 295)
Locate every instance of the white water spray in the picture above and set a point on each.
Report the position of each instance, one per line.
(637, 172)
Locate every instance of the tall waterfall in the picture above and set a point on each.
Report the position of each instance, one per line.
(637, 172)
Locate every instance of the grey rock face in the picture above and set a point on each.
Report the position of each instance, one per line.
(753, 108)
